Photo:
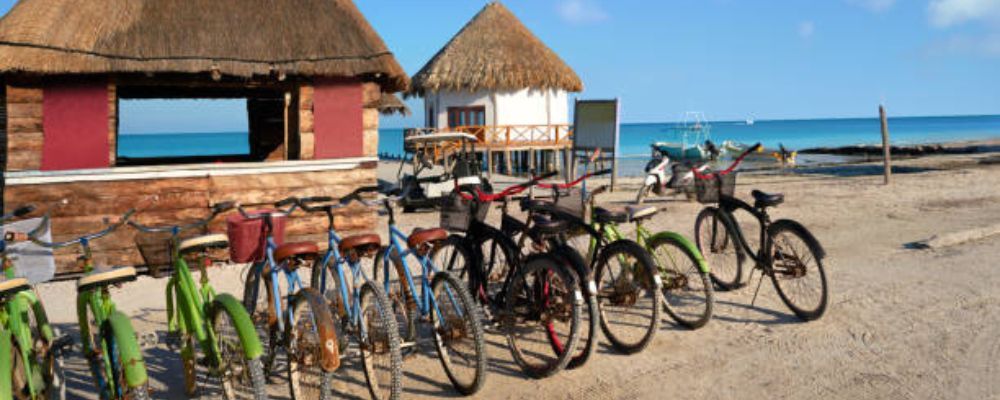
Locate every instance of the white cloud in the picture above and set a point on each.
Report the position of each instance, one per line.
(874, 5)
(806, 29)
(581, 11)
(945, 13)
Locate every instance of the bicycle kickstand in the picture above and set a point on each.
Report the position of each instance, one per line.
(759, 282)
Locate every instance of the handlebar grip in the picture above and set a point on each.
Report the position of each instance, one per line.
(23, 210)
(128, 214)
(755, 148)
(224, 206)
(286, 202)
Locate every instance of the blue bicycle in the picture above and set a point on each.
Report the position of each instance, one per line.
(443, 301)
(359, 307)
(304, 328)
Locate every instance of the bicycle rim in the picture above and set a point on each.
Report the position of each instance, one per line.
(238, 377)
(720, 248)
(542, 317)
(798, 274)
(687, 290)
(458, 334)
(306, 378)
(627, 296)
(380, 344)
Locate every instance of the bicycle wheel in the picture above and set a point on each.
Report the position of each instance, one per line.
(241, 378)
(798, 272)
(499, 257)
(255, 301)
(542, 316)
(307, 377)
(330, 290)
(400, 294)
(49, 361)
(458, 334)
(591, 315)
(92, 345)
(120, 389)
(627, 295)
(380, 347)
(719, 245)
(687, 290)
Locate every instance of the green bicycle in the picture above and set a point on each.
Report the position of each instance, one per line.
(109, 341)
(218, 342)
(30, 351)
(688, 296)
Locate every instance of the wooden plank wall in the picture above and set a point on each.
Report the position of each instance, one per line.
(81, 207)
(24, 128)
(369, 123)
(306, 136)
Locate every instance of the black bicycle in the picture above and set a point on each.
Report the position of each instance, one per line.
(535, 298)
(787, 251)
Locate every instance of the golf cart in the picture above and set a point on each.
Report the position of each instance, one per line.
(438, 161)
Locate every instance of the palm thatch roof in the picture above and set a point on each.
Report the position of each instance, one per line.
(495, 51)
(230, 37)
(389, 104)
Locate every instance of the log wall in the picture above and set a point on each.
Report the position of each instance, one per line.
(81, 207)
(24, 128)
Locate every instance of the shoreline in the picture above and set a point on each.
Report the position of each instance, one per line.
(955, 147)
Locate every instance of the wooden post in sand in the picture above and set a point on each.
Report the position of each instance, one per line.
(886, 149)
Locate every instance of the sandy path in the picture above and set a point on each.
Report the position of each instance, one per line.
(901, 323)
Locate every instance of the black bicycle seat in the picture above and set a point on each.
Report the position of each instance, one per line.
(767, 199)
(606, 216)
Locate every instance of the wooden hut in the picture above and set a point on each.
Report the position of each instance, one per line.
(311, 73)
(495, 79)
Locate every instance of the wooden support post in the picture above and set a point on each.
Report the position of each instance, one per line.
(489, 163)
(886, 147)
(506, 161)
(556, 155)
(531, 160)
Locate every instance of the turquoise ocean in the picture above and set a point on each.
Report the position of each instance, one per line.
(636, 138)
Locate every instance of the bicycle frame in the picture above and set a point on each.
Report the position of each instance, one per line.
(728, 204)
(12, 325)
(353, 310)
(292, 277)
(643, 236)
(426, 299)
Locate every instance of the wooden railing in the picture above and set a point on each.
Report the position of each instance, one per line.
(509, 135)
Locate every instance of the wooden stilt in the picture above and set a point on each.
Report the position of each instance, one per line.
(506, 162)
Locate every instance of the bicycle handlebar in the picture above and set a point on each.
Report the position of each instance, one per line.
(574, 183)
(486, 197)
(731, 168)
(217, 209)
(33, 235)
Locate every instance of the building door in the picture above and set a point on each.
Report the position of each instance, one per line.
(466, 116)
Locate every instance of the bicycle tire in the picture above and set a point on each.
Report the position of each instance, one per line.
(306, 347)
(258, 311)
(399, 293)
(622, 292)
(376, 312)
(723, 253)
(591, 315)
(469, 321)
(250, 377)
(674, 285)
(95, 360)
(531, 301)
(52, 363)
(776, 255)
(499, 257)
(120, 388)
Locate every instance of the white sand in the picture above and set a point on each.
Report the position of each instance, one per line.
(901, 323)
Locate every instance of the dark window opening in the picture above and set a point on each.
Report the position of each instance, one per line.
(466, 116)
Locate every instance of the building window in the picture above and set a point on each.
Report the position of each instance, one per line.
(157, 130)
(466, 116)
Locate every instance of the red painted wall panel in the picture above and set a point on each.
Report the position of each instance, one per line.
(337, 124)
(75, 121)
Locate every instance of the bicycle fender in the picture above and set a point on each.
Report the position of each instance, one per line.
(800, 229)
(128, 346)
(327, 332)
(6, 364)
(243, 324)
(686, 243)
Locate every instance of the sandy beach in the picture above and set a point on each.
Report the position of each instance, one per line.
(902, 323)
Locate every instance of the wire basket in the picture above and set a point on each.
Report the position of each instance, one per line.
(458, 213)
(710, 190)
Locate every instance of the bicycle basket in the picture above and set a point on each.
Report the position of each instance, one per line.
(709, 190)
(246, 236)
(457, 213)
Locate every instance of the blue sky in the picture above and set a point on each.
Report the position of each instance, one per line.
(770, 59)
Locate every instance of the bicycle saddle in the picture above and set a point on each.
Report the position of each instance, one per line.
(105, 277)
(289, 250)
(605, 216)
(11, 286)
(421, 236)
(199, 244)
(364, 242)
(767, 199)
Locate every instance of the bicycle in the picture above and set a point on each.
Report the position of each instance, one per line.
(786, 251)
(299, 322)
(535, 298)
(443, 301)
(109, 341)
(31, 365)
(621, 274)
(360, 304)
(220, 350)
(685, 276)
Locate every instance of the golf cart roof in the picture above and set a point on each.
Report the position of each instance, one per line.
(441, 137)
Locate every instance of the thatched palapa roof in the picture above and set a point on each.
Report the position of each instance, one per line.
(389, 104)
(233, 37)
(495, 51)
